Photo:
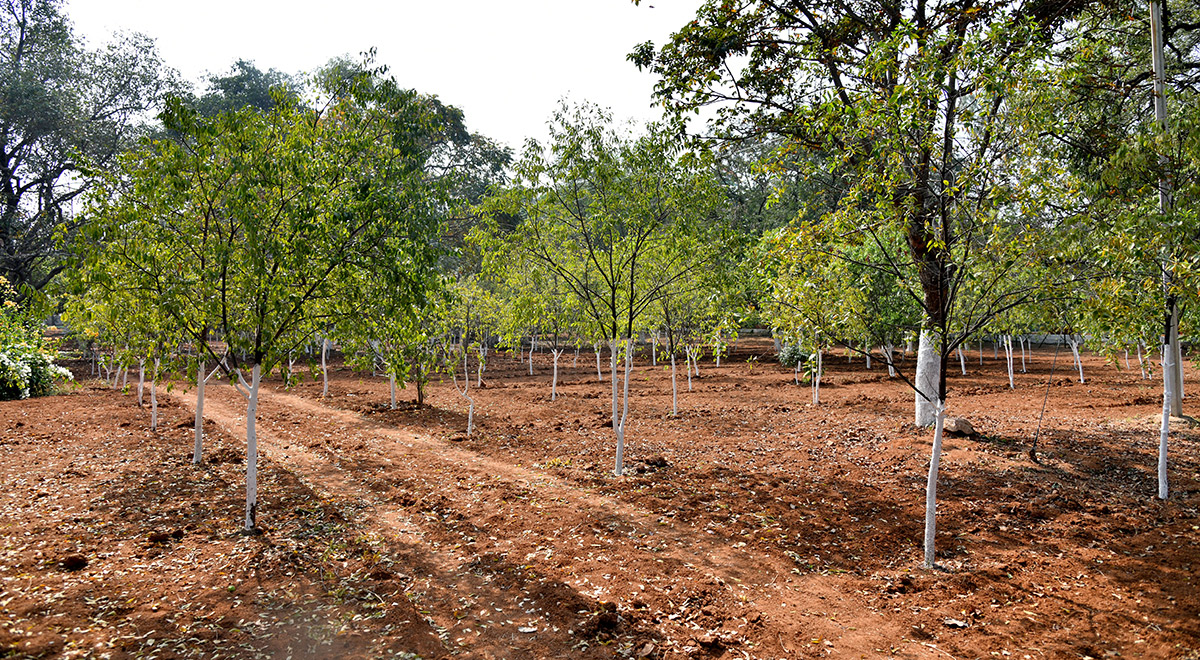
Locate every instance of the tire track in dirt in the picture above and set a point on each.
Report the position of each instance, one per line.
(525, 531)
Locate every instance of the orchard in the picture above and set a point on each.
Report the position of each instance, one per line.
(877, 343)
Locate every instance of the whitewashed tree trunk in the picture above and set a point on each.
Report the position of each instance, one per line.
(392, 387)
(154, 397)
(717, 352)
(198, 450)
(324, 368)
(1021, 340)
(1141, 360)
(252, 446)
(927, 376)
(889, 352)
(532, 343)
(599, 374)
(619, 420)
(867, 352)
(674, 388)
(1127, 367)
(1078, 361)
(1164, 432)
(962, 361)
(479, 371)
(816, 388)
(796, 371)
(654, 350)
(554, 381)
(687, 361)
(1008, 360)
(141, 379)
(931, 484)
(466, 392)
(778, 344)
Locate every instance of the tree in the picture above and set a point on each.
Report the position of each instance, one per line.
(65, 110)
(593, 205)
(918, 109)
(258, 223)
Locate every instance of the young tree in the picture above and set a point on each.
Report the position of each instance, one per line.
(594, 204)
(258, 220)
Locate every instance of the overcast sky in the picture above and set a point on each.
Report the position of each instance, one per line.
(505, 63)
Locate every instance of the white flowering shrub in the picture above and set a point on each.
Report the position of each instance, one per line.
(26, 363)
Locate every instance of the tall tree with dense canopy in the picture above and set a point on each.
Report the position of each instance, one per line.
(65, 110)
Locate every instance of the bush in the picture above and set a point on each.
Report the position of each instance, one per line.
(26, 363)
(790, 355)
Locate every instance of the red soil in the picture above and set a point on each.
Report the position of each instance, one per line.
(751, 525)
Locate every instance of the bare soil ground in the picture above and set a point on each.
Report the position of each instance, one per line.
(753, 524)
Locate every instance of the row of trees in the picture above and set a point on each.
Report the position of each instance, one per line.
(931, 171)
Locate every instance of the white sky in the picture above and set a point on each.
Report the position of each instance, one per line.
(505, 63)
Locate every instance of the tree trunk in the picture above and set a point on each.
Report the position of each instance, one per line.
(252, 448)
(1008, 360)
(674, 388)
(889, 352)
(654, 350)
(599, 374)
(197, 451)
(1176, 365)
(1021, 340)
(1078, 360)
(154, 397)
(931, 484)
(1164, 432)
(324, 369)
(141, 379)
(465, 392)
(816, 379)
(554, 381)
(962, 361)
(927, 378)
(619, 421)
(392, 387)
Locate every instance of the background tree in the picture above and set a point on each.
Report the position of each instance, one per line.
(65, 110)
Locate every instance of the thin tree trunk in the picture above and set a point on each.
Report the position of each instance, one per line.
(889, 352)
(962, 361)
(654, 350)
(931, 485)
(599, 374)
(198, 450)
(1021, 340)
(1078, 360)
(141, 379)
(465, 392)
(252, 448)
(1164, 432)
(324, 369)
(1008, 360)
(674, 388)
(1141, 361)
(392, 387)
(817, 378)
(554, 382)
(619, 425)
(154, 397)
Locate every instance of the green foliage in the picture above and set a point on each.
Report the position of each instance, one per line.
(26, 360)
(65, 111)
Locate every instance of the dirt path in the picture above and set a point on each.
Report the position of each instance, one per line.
(434, 498)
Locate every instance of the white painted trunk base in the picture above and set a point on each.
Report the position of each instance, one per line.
(926, 381)
(931, 484)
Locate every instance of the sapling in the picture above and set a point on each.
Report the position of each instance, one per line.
(464, 392)
(141, 379)
(867, 352)
(816, 378)
(483, 362)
